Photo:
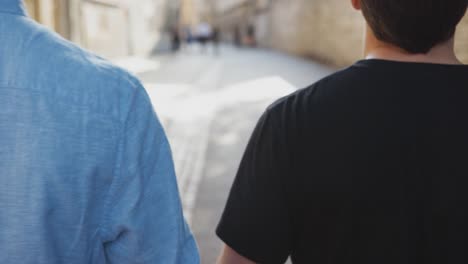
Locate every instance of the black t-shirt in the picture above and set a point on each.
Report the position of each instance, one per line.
(369, 165)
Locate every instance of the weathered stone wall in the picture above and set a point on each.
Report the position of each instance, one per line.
(123, 27)
(148, 25)
(462, 40)
(105, 29)
(111, 28)
(47, 12)
(329, 30)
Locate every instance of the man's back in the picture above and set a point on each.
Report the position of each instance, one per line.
(366, 166)
(86, 172)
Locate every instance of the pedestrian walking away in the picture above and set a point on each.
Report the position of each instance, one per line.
(367, 165)
(175, 39)
(204, 33)
(86, 170)
(215, 39)
(237, 36)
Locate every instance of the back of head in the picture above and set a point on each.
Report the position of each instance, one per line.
(414, 25)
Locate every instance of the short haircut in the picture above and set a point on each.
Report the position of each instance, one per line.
(414, 25)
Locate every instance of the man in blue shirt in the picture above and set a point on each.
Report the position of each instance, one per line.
(86, 174)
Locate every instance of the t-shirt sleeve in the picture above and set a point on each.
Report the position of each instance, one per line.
(143, 220)
(256, 222)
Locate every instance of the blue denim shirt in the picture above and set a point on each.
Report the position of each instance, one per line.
(86, 174)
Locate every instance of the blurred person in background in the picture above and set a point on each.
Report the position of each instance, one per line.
(86, 171)
(237, 37)
(215, 39)
(368, 165)
(204, 33)
(250, 38)
(175, 39)
(188, 36)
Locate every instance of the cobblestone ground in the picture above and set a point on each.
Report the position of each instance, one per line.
(209, 105)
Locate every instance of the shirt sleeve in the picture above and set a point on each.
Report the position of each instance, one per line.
(256, 221)
(143, 221)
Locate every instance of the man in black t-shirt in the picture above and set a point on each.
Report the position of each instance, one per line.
(369, 165)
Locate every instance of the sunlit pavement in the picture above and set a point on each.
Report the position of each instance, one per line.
(209, 105)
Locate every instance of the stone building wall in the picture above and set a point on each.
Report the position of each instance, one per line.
(148, 25)
(105, 28)
(111, 28)
(115, 28)
(50, 13)
(329, 30)
(462, 40)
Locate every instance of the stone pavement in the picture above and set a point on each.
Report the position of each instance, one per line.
(209, 105)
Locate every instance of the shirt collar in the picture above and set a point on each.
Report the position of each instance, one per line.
(15, 7)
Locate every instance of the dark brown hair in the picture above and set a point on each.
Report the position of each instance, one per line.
(414, 25)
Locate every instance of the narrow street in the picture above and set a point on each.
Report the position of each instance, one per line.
(211, 68)
(209, 105)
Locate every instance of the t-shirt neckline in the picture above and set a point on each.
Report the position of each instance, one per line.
(374, 61)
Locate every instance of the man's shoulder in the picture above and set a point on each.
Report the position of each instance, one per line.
(320, 93)
(54, 65)
(72, 62)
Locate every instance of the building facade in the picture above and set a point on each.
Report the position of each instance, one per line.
(111, 28)
(51, 13)
(328, 30)
(461, 44)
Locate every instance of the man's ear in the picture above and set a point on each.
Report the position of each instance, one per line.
(356, 4)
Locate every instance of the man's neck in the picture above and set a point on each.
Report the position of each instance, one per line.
(441, 54)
